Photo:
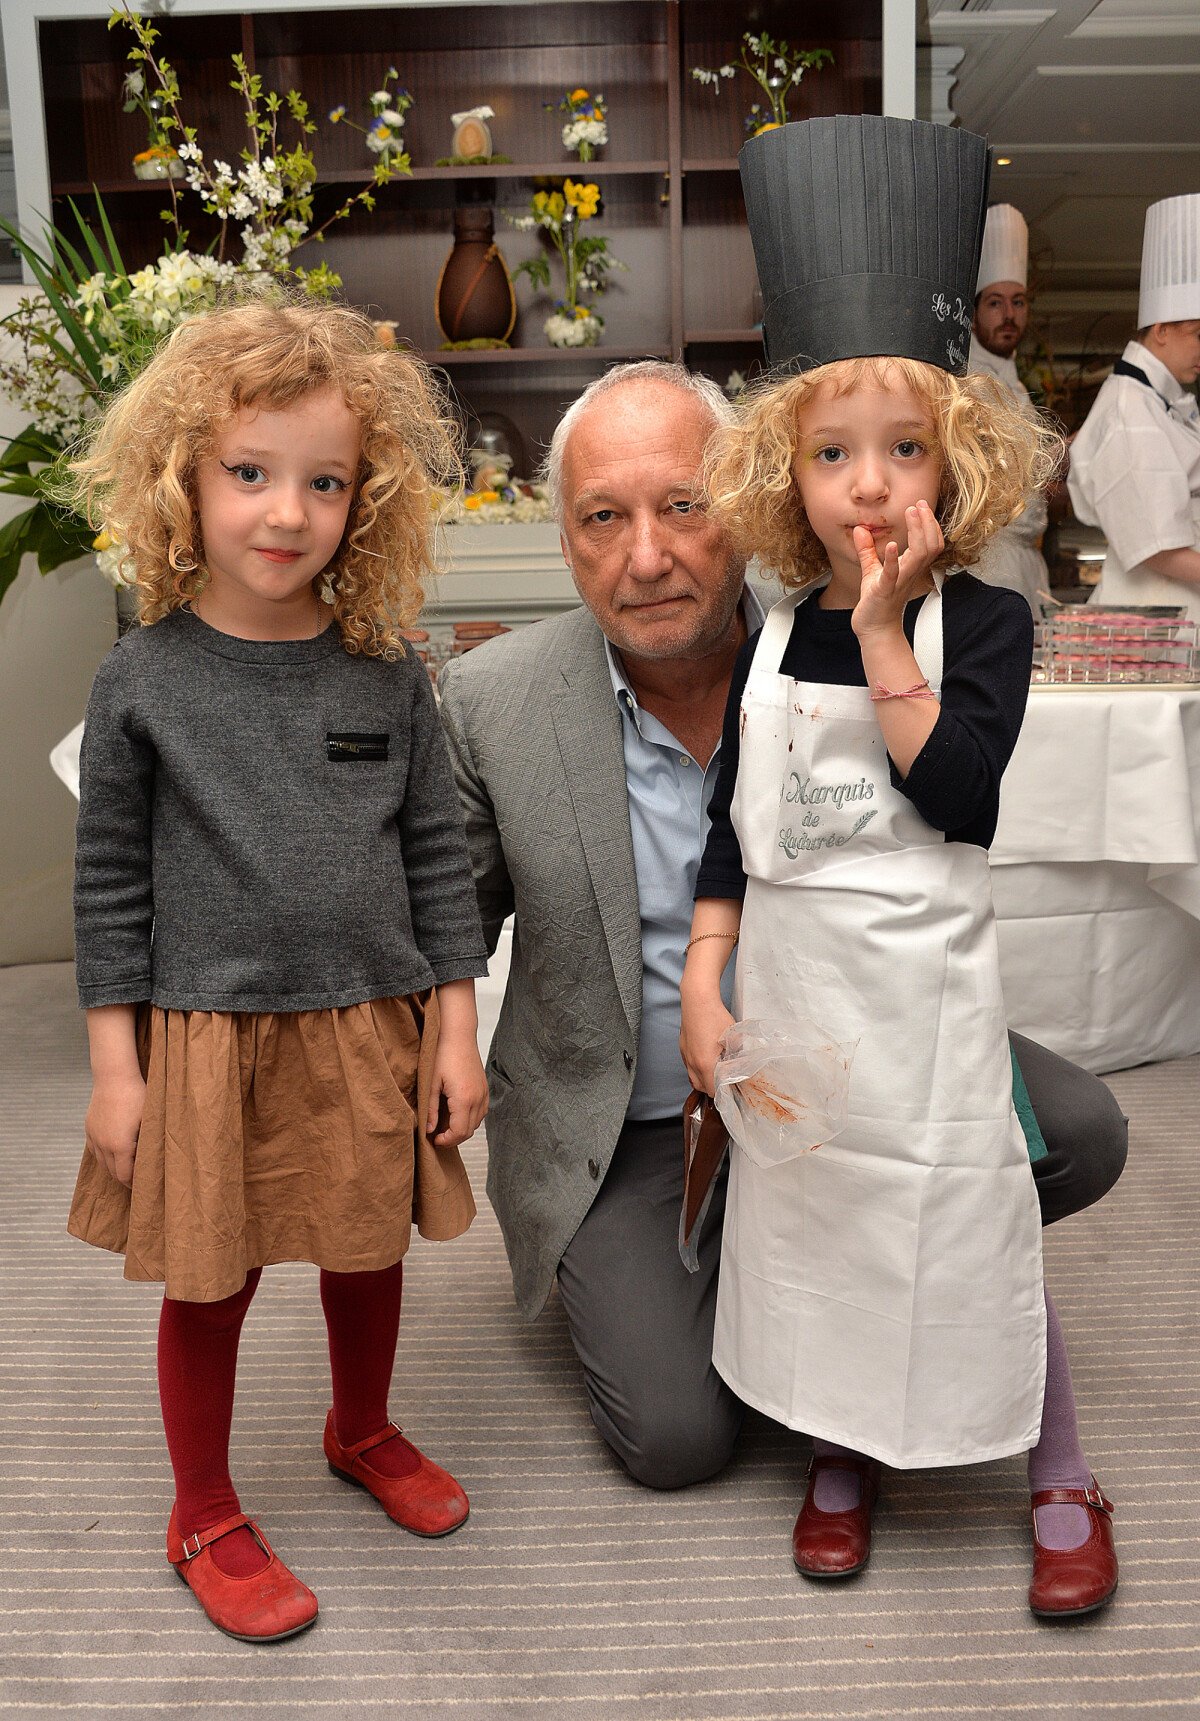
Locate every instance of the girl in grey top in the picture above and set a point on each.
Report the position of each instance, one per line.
(276, 928)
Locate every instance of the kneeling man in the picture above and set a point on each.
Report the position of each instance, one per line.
(585, 749)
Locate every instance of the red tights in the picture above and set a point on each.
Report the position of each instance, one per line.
(197, 1367)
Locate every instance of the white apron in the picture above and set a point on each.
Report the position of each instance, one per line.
(885, 1290)
(1141, 585)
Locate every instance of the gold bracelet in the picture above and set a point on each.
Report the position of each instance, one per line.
(701, 936)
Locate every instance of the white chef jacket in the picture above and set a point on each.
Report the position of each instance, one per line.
(1135, 473)
(1013, 558)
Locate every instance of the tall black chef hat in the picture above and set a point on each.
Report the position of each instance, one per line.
(866, 234)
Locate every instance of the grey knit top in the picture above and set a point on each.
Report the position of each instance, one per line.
(266, 825)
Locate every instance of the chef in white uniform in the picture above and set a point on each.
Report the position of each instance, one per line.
(1013, 557)
(1135, 465)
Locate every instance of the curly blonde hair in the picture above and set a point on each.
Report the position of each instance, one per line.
(993, 456)
(136, 474)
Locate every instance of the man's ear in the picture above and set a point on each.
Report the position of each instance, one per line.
(566, 554)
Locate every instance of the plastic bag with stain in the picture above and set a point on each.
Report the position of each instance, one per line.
(781, 1087)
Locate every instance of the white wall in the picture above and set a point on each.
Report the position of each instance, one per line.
(54, 630)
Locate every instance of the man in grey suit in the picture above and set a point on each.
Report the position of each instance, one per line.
(585, 750)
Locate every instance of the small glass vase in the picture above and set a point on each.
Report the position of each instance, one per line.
(573, 326)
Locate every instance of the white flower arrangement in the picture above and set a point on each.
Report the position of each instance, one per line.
(114, 561)
(269, 194)
(593, 133)
(579, 329)
(586, 129)
(384, 136)
(123, 316)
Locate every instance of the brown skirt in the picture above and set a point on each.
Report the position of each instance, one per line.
(296, 1136)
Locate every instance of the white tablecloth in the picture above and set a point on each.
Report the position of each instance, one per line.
(1096, 874)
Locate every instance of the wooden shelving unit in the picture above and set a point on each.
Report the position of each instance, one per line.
(671, 207)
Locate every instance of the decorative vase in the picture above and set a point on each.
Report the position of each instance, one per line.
(157, 163)
(573, 326)
(475, 299)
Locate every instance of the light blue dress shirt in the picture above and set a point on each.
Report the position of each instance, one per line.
(668, 817)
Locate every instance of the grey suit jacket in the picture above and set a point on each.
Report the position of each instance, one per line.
(535, 740)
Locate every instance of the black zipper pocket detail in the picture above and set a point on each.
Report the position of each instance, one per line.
(355, 747)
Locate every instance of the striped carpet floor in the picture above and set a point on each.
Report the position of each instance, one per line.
(571, 1592)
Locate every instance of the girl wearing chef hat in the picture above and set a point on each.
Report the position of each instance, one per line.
(1135, 465)
(883, 1292)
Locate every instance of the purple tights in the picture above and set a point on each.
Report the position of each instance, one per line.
(1057, 1461)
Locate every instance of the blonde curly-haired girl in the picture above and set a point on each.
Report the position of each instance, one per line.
(868, 728)
(276, 928)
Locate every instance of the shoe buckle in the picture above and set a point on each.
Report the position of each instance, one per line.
(190, 1553)
(1094, 1497)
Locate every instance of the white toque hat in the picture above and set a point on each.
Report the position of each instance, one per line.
(1171, 261)
(1005, 254)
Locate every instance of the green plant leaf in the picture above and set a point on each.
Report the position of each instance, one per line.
(14, 536)
(60, 537)
(19, 484)
(102, 265)
(110, 238)
(85, 348)
(27, 446)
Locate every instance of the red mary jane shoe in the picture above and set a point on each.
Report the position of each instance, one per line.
(1072, 1581)
(835, 1544)
(429, 1502)
(270, 1604)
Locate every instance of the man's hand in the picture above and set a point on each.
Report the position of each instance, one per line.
(889, 584)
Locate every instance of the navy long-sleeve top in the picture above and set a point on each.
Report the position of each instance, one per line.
(954, 782)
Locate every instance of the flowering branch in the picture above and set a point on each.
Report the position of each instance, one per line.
(776, 68)
(272, 191)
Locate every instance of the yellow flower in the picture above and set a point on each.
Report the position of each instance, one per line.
(488, 496)
(771, 125)
(578, 96)
(472, 502)
(104, 541)
(581, 311)
(584, 199)
(555, 206)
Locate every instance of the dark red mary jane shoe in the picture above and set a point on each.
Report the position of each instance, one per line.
(269, 1605)
(835, 1544)
(429, 1502)
(1068, 1582)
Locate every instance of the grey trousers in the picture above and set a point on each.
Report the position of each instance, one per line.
(642, 1326)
